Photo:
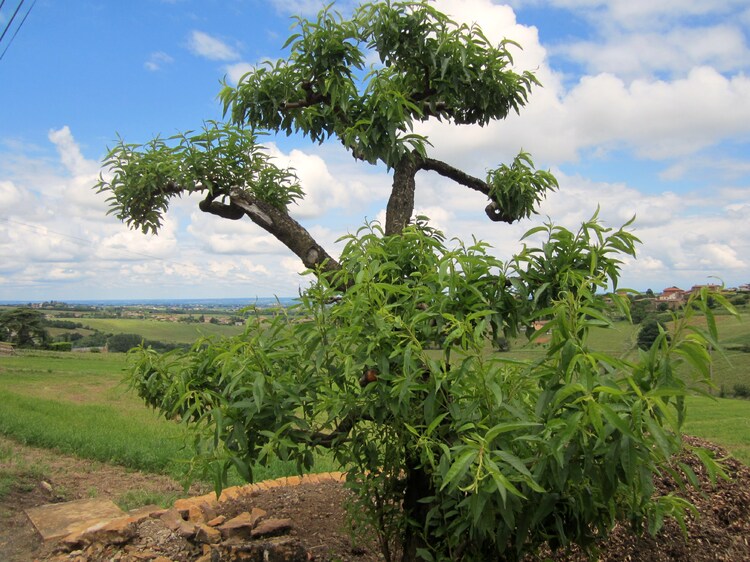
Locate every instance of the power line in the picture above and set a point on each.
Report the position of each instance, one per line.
(20, 25)
(10, 22)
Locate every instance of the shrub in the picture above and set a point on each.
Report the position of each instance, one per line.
(468, 455)
(123, 342)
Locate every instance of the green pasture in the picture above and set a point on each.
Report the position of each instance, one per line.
(173, 332)
(76, 404)
(723, 421)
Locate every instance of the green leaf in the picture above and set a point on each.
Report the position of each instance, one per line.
(459, 467)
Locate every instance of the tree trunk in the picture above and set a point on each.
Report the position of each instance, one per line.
(401, 203)
(418, 486)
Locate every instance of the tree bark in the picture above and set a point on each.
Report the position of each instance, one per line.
(287, 230)
(418, 486)
(401, 203)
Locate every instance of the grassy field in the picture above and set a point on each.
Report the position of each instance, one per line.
(176, 332)
(723, 421)
(76, 403)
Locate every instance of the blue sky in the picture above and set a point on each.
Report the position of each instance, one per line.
(645, 110)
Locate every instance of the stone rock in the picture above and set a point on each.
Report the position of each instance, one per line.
(216, 521)
(279, 549)
(242, 525)
(271, 528)
(147, 511)
(207, 535)
(200, 512)
(174, 521)
(58, 520)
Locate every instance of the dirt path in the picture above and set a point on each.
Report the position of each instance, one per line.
(31, 477)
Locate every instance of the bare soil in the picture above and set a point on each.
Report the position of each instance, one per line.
(721, 532)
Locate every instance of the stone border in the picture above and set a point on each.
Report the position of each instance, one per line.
(235, 492)
(186, 513)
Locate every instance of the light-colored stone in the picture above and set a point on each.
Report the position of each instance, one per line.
(231, 493)
(147, 511)
(56, 520)
(271, 528)
(243, 524)
(173, 520)
(216, 521)
(206, 535)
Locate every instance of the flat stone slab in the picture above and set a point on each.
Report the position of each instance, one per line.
(57, 520)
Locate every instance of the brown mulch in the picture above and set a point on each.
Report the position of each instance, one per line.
(721, 533)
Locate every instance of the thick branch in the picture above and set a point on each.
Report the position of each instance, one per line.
(493, 210)
(310, 100)
(456, 175)
(288, 231)
(231, 212)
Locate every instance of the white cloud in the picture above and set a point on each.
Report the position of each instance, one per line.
(309, 8)
(10, 195)
(209, 47)
(236, 71)
(676, 52)
(656, 119)
(643, 14)
(323, 191)
(157, 60)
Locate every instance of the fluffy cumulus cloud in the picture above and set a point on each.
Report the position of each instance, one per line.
(673, 52)
(57, 241)
(210, 47)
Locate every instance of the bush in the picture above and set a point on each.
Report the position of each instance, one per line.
(649, 332)
(61, 346)
(741, 390)
(123, 342)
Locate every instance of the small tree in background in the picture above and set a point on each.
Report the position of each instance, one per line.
(650, 330)
(123, 342)
(23, 327)
(455, 452)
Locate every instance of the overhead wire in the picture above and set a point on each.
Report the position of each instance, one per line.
(20, 25)
(10, 22)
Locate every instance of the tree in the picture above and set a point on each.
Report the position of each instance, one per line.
(650, 330)
(454, 452)
(123, 342)
(23, 327)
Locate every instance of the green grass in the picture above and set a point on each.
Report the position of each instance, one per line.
(173, 332)
(723, 421)
(76, 404)
(16, 473)
(94, 431)
(138, 498)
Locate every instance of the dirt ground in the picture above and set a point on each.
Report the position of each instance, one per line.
(720, 533)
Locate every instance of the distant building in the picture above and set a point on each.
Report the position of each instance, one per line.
(672, 294)
(711, 288)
